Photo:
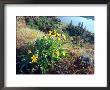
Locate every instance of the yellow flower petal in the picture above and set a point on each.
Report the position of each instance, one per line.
(50, 32)
(58, 35)
(56, 53)
(64, 37)
(63, 53)
(59, 39)
(34, 58)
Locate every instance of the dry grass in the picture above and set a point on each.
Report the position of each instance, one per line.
(20, 22)
(67, 46)
(27, 35)
(77, 51)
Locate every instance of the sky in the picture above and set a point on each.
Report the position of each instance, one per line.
(89, 23)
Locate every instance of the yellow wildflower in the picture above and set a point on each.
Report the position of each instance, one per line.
(50, 33)
(56, 53)
(54, 31)
(58, 35)
(34, 58)
(33, 34)
(63, 53)
(64, 37)
(59, 39)
(54, 35)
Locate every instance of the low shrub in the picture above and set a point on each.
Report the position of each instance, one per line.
(50, 51)
(81, 65)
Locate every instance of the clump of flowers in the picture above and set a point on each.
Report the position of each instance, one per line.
(57, 35)
(50, 51)
(44, 53)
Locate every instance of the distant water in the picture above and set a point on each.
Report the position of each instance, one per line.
(89, 23)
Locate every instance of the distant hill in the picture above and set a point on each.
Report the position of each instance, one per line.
(88, 17)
